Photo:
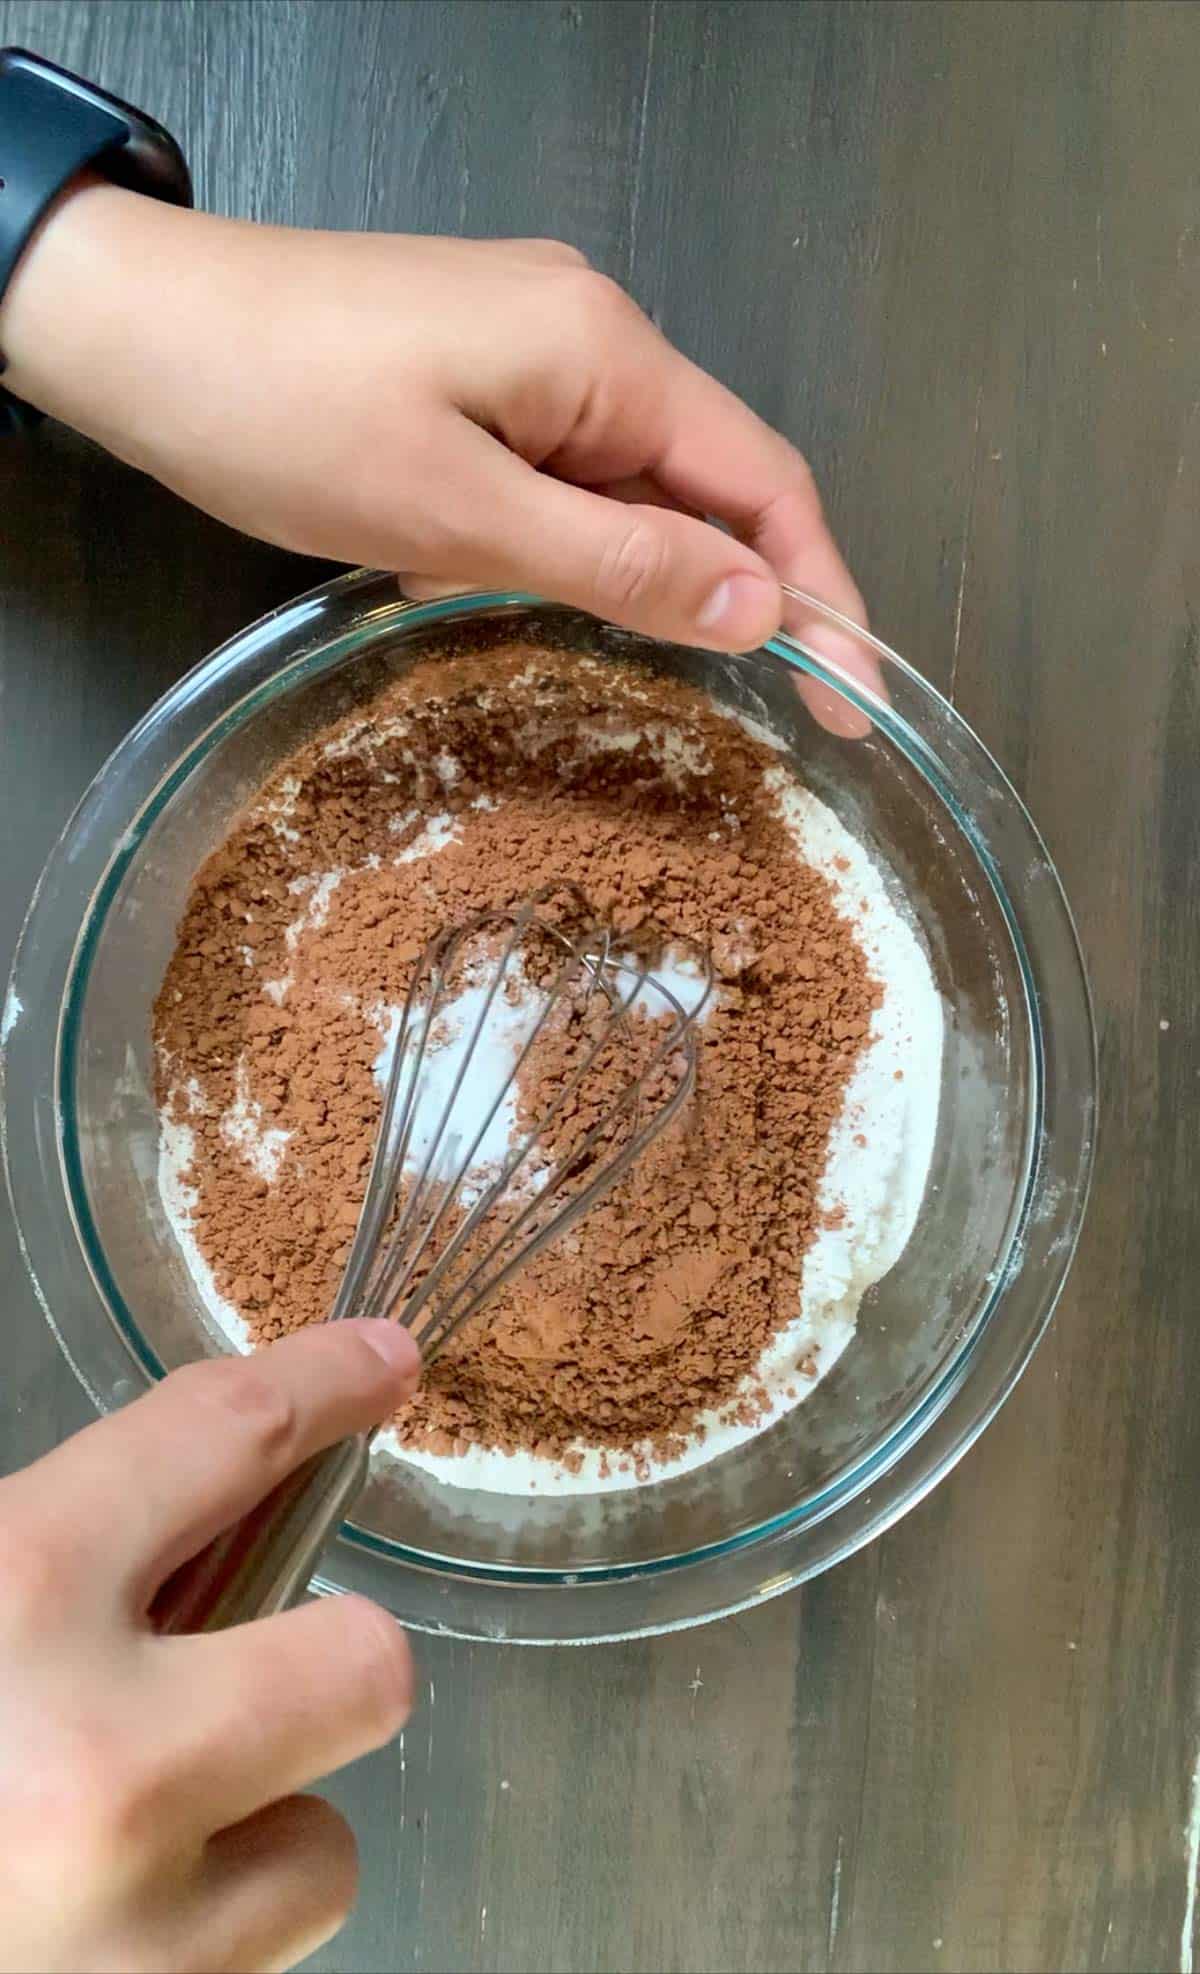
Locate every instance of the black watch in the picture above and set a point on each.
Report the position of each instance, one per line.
(52, 125)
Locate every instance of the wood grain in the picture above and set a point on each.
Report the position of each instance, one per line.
(954, 250)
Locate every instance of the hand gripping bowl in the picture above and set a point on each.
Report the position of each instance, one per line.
(939, 1343)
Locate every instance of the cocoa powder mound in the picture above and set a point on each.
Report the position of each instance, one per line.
(466, 785)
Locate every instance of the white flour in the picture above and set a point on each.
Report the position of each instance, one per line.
(871, 1193)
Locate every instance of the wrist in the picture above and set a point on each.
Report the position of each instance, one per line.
(74, 313)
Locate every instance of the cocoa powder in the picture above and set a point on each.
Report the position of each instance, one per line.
(466, 785)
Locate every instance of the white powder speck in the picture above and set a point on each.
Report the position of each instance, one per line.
(682, 977)
(177, 1144)
(437, 833)
(318, 889)
(681, 751)
(279, 811)
(606, 740)
(13, 1010)
(261, 1146)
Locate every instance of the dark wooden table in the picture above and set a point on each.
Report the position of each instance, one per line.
(954, 250)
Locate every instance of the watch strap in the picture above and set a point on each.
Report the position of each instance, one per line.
(51, 127)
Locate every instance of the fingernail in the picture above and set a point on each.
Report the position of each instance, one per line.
(854, 660)
(739, 601)
(394, 1345)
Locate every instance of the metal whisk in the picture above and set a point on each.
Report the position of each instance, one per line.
(469, 1180)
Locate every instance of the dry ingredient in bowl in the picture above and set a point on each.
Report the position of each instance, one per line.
(722, 1277)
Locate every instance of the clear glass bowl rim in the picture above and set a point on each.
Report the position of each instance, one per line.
(309, 635)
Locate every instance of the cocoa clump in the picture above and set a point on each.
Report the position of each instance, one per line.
(466, 785)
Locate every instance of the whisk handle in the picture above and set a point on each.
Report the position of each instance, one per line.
(266, 1561)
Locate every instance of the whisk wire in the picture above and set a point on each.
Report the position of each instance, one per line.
(385, 1258)
(401, 1261)
(571, 1161)
(478, 1286)
(392, 1138)
(427, 1177)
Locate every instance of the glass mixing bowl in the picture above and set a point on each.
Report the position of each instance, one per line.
(939, 1342)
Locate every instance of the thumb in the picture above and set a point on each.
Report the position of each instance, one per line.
(645, 567)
